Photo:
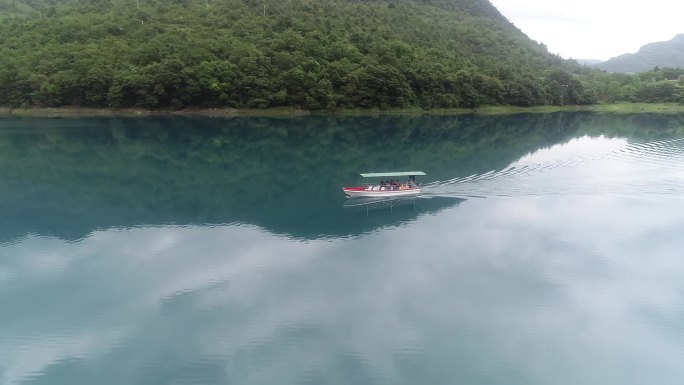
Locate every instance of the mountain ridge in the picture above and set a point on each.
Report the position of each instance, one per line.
(668, 53)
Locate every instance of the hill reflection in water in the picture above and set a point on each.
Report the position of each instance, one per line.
(69, 177)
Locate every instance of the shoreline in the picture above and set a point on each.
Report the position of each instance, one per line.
(618, 108)
(139, 112)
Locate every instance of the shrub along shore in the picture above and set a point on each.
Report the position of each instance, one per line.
(618, 108)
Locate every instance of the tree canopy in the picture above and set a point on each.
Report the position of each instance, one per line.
(322, 54)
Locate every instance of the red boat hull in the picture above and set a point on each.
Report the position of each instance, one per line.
(380, 192)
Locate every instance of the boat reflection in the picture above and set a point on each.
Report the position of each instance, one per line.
(369, 204)
(402, 206)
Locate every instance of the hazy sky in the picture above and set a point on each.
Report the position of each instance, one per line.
(595, 29)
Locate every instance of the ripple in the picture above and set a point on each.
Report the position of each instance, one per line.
(584, 166)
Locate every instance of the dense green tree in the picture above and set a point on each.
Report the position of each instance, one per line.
(321, 54)
(656, 86)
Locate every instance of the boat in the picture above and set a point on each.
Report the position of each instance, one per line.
(372, 187)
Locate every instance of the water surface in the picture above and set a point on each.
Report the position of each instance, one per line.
(546, 249)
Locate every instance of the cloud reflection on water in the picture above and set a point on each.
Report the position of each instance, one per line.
(565, 291)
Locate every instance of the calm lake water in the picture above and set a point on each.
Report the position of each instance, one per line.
(547, 249)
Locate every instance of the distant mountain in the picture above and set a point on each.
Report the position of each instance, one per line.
(661, 54)
(589, 62)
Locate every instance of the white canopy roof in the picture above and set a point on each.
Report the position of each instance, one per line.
(395, 173)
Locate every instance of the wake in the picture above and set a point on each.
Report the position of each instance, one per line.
(592, 166)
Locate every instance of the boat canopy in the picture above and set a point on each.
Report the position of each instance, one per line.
(395, 173)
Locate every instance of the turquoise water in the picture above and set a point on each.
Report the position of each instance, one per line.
(546, 249)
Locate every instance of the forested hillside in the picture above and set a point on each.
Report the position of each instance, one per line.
(661, 85)
(321, 54)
